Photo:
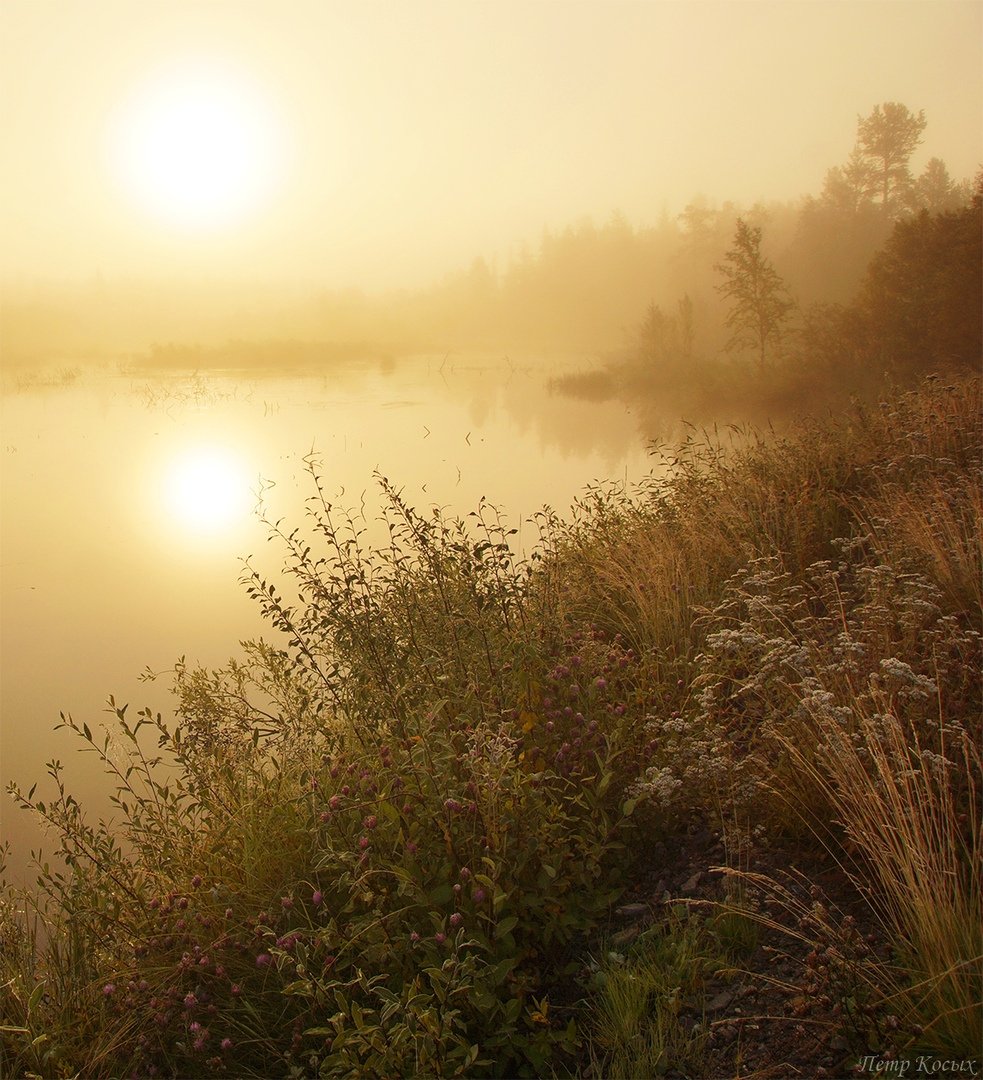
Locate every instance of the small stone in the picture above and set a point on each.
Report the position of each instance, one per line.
(721, 1001)
(633, 911)
(625, 937)
(691, 883)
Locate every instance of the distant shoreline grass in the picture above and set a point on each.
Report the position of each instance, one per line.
(390, 840)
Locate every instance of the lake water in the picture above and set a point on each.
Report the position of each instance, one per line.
(128, 503)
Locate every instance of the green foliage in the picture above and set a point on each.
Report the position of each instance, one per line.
(370, 851)
(640, 997)
(920, 305)
(761, 304)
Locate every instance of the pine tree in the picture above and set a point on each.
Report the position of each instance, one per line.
(887, 138)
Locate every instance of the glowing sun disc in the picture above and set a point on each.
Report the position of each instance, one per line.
(207, 490)
(197, 146)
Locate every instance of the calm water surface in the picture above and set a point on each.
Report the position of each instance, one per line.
(128, 503)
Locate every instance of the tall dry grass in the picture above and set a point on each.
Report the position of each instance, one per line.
(912, 816)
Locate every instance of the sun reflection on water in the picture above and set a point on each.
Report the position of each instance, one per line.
(208, 490)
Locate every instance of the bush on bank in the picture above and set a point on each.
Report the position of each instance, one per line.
(381, 845)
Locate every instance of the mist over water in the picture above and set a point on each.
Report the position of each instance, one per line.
(131, 499)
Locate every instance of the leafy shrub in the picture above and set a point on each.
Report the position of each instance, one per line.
(371, 851)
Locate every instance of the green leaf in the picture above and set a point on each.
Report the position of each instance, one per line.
(498, 974)
(506, 926)
(441, 894)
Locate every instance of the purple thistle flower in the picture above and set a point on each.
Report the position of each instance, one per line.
(414, 936)
(226, 1044)
(479, 895)
(196, 881)
(235, 989)
(109, 989)
(456, 919)
(264, 960)
(371, 821)
(440, 938)
(318, 898)
(190, 1001)
(286, 902)
(363, 842)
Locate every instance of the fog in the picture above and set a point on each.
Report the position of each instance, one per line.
(394, 144)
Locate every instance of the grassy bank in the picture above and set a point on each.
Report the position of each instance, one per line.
(400, 839)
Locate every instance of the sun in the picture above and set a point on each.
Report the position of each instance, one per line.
(207, 489)
(197, 145)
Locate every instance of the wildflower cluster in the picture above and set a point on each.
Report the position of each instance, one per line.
(821, 654)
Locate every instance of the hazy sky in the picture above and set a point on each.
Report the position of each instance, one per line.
(381, 144)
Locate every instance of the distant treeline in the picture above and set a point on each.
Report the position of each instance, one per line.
(263, 355)
(591, 286)
(588, 287)
(918, 310)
